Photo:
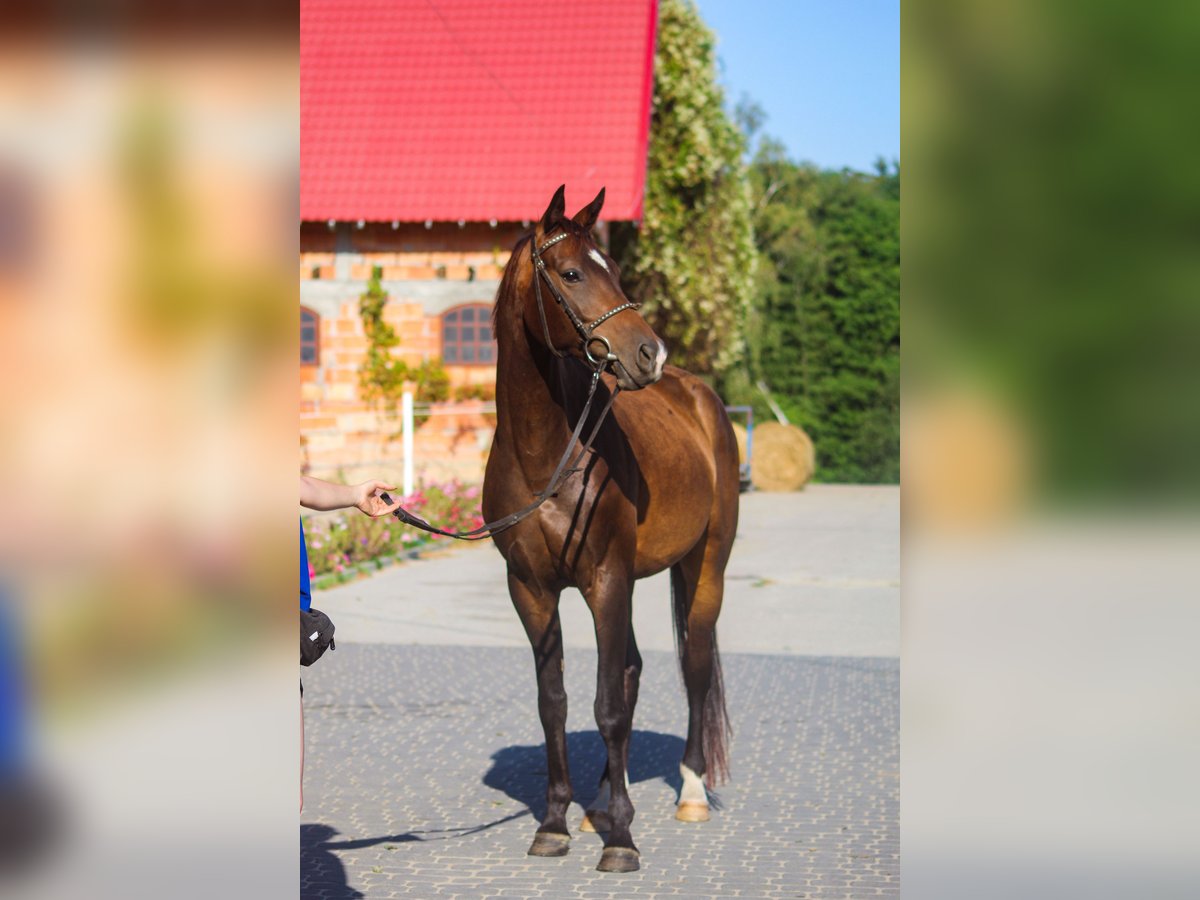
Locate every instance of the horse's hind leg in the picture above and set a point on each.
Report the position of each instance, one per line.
(538, 610)
(596, 818)
(697, 588)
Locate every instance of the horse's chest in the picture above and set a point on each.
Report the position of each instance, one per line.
(588, 521)
(585, 524)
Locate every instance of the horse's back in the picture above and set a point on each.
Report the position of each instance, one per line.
(687, 456)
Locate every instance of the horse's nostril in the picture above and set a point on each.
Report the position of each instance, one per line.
(647, 356)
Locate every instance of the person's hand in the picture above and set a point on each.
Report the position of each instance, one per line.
(365, 499)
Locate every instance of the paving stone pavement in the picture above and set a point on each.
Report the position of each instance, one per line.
(814, 573)
(425, 777)
(425, 774)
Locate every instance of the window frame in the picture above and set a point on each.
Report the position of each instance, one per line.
(485, 309)
(316, 341)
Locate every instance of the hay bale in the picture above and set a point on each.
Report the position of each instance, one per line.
(783, 458)
(739, 433)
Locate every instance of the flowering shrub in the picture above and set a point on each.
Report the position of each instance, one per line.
(344, 544)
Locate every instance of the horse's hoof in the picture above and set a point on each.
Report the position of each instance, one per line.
(595, 820)
(692, 811)
(619, 859)
(549, 843)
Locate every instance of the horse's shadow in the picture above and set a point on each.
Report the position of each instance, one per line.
(520, 770)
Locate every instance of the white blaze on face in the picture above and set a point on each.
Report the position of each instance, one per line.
(598, 257)
(693, 787)
(661, 359)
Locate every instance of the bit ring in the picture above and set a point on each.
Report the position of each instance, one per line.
(608, 354)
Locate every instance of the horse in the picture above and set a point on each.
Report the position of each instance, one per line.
(658, 489)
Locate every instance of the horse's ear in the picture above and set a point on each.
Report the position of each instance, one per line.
(554, 212)
(587, 216)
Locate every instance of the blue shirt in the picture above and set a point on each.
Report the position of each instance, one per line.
(305, 593)
(12, 695)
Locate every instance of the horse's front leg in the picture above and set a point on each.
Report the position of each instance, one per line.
(596, 817)
(538, 609)
(611, 609)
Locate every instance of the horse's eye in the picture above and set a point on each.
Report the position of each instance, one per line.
(572, 276)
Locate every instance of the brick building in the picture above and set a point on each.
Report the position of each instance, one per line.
(432, 134)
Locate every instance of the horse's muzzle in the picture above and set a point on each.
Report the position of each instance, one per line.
(647, 367)
(650, 360)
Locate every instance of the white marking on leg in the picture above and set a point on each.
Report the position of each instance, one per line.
(599, 258)
(693, 787)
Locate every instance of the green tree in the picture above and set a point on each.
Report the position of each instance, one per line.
(826, 336)
(691, 262)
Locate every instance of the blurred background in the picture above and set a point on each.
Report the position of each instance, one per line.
(148, 161)
(1050, 433)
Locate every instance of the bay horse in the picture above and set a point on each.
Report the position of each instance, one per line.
(658, 489)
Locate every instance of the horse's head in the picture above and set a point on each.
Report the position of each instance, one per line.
(575, 301)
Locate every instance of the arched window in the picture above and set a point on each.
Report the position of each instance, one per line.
(310, 337)
(467, 336)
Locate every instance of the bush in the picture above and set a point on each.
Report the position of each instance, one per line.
(475, 392)
(339, 544)
(431, 382)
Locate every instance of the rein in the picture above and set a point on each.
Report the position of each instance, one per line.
(563, 470)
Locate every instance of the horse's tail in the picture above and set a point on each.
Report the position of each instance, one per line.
(717, 729)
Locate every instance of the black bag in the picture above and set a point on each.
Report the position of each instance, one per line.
(316, 635)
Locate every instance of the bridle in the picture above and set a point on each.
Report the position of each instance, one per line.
(562, 471)
(586, 331)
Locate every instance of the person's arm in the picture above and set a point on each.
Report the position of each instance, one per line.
(325, 495)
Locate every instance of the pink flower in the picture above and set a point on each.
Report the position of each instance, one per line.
(311, 570)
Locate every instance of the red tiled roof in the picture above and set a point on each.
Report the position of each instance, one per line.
(468, 109)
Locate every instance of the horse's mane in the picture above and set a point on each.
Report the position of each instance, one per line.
(508, 281)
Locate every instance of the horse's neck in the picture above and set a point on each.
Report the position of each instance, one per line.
(531, 412)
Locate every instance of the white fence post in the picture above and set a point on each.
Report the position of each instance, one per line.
(406, 412)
